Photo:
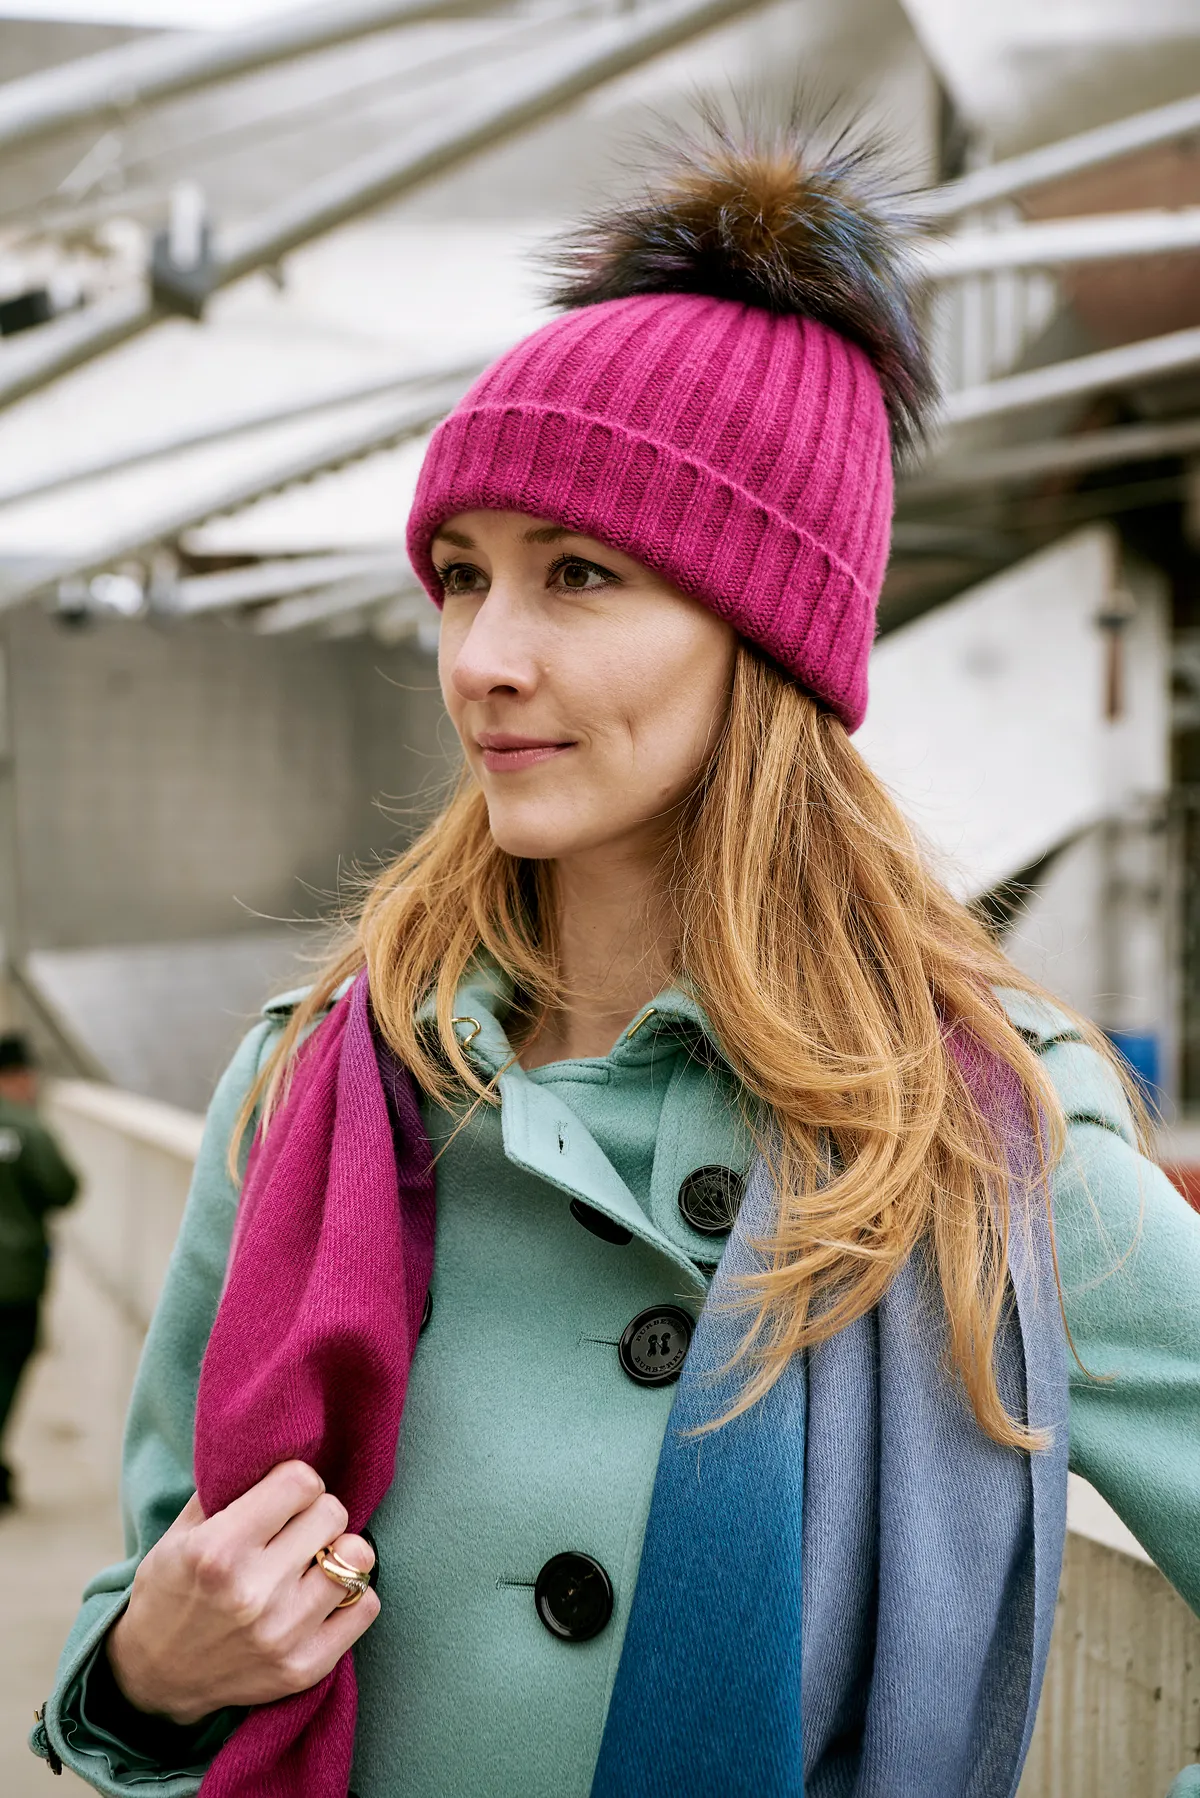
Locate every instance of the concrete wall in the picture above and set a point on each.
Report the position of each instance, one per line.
(404, 747)
(193, 781)
(135, 1158)
(1098, 927)
(1120, 1712)
(1025, 735)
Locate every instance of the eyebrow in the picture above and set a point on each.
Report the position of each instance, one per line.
(541, 533)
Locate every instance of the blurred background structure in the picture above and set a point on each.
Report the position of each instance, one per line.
(248, 256)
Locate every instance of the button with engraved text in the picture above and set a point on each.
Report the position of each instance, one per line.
(709, 1199)
(653, 1347)
(574, 1597)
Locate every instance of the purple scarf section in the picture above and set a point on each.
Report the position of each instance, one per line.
(310, 1353)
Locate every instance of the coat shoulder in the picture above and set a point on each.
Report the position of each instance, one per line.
(280, 1009)
(1037, 1019)
(1089, 1087)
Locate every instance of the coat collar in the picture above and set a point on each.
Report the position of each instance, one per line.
(544, 1136)
(485, 997)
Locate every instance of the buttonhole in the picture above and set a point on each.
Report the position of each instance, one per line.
(505, 1580)
(600, 1341)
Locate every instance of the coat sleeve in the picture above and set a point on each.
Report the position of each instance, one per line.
(1129, 1260)
(157, 1478)
(50, 1180)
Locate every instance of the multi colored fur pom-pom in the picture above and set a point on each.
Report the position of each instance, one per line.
(758, 218)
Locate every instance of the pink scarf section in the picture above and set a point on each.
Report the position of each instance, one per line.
(310, 1352)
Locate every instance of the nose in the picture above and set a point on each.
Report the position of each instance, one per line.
(496, 653)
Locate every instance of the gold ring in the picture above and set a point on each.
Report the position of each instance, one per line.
(342, 1574)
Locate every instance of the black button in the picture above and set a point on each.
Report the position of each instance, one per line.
(600, 1225)
(654, 1345)
(574, 1597)
(709, 1199)
(426, 1310)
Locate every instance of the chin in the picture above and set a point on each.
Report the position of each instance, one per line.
(529, 844)
(533, 835)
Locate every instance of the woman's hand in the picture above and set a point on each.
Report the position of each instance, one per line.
(230, 1610)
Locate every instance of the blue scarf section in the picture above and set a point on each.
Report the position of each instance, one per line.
(848, 1591)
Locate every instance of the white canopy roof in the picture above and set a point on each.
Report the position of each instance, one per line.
(374, 302)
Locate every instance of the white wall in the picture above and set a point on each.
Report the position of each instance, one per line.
(988, 715)
(1030, 71)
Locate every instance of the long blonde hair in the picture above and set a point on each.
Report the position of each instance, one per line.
(838, 973)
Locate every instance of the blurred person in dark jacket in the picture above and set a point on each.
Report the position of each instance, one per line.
(34, 1180)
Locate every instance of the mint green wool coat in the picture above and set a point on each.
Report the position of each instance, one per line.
(521, 1435)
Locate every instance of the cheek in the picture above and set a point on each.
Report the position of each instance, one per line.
(670, 744)
(675, 702)
(447, 651)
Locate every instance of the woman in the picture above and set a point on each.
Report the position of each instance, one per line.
(746, 1142)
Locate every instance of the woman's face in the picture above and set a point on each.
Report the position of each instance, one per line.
(587, 691)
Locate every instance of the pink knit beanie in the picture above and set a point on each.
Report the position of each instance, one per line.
(720, 404)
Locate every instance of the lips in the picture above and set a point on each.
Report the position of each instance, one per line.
(504, 753)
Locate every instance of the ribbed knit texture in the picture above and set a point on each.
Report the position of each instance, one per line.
(741, 454)
(312, 1345)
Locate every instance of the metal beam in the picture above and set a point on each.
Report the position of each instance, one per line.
(1020, 462)
(1082, 375)
(159, 67)
(597, 54)
(340, 597)
(281, 579)
(1055, 243)
(80, 201)
(31, 361)
(405, 422)
(398, 619)
(1069, 156)
(227, 430)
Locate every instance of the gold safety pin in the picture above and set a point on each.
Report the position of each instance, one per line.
(466, 1041)
(650, 1012)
